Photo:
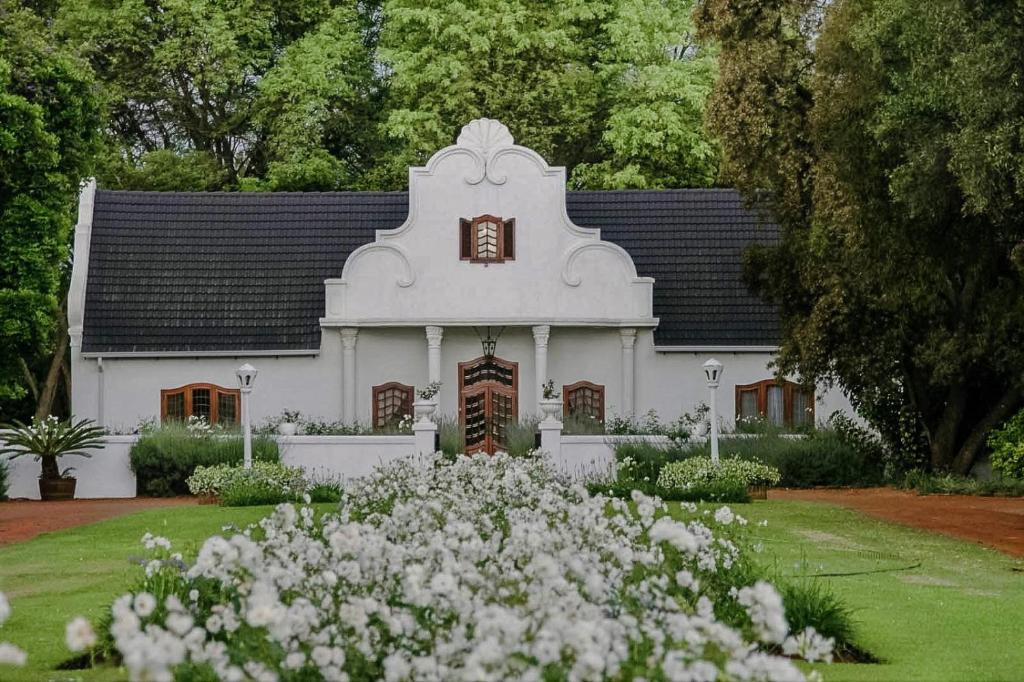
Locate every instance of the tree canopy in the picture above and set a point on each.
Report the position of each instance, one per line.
(887, 138)
(49, 118)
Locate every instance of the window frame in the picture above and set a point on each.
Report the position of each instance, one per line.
(760, 388)
(599, 389)
(215, 393)
(379, 388)
(468, 243)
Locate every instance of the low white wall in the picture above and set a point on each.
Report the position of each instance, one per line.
(343, 456)
(105, 474)
(586, 456)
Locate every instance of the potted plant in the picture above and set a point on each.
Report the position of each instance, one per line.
(425, 406)
(289, 424)
(48, 440)
(550, 402)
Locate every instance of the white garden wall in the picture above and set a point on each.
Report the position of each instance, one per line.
(343, 456)
(105, 474)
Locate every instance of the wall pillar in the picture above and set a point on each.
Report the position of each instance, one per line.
(541, 334)
(434, 336)
(628, 337)
(348, 374)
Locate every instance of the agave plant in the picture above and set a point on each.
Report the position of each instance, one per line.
(50, 438)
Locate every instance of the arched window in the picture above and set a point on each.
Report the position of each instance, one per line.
(391, 403)
(216, 404)
(781, 403)
(583, 399)
(487, 239)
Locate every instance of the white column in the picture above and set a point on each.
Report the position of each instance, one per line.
(628, 337)
(348, 374)
(541, 334)
(246, 429)
(434, 336)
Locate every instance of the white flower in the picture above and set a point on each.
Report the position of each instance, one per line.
(724, 516)
(764, 605)
(809, 645)
(144, 604)
(79, 635)
(12, 655)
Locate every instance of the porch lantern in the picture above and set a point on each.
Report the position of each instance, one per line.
(246, 378)
(489, 344)
(713, 375)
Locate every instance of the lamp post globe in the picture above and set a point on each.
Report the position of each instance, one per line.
(713, 376)
(246, 378)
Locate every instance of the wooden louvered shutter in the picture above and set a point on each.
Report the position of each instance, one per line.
(466, 239)
(509, 246)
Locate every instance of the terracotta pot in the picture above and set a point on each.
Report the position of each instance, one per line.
(57, 488)
(209, 499)
(757, 492)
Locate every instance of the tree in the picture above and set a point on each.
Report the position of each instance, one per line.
(613, 90)
(886, 140)
(49, 115)
(210, 94)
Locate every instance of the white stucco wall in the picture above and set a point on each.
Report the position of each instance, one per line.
(105, 474)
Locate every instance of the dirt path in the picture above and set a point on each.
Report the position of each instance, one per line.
(994, 521)
(25, 519)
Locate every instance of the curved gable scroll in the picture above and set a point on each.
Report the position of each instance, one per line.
(415, 274)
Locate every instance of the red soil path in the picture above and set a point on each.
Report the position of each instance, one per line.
(25, 519)
(994, 521)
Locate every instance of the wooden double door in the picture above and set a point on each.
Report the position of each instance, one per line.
(488, 402)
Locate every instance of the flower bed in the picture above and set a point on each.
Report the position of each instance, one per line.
(701, 471)
(481, 568)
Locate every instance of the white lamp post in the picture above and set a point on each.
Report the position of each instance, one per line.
(246, 378)
(713, 374)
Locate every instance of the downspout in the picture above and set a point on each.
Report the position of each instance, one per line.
(99, 392)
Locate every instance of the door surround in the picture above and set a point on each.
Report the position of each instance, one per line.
(488, 402)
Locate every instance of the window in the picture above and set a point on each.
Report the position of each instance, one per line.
(782, 404)
(583, 399)
(216, 404)
(391, 403)
(487, 239)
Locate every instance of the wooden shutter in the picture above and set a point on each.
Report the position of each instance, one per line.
(465, 239)
(509, 245)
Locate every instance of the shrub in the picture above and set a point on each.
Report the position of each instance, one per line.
(925, 483)
(451, 435)
(214, 480)
(701, 471)
(721, 491)
(581, 425)
(641, 461)
(1007, 445)
(811, 603)
(253, 492)
(521, 436)
(535, 563)
(164, 458)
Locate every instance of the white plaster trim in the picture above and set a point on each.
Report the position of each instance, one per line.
(200, 353)
(409, 274)
(80, 270)
(574, 251)
(483, 321)
(716, 349)
(346, 440)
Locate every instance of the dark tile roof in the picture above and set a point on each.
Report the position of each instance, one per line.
(245, 271)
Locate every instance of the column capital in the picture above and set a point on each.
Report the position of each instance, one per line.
(541, 334)
(628, 336)
(434, 335)
(348, 337)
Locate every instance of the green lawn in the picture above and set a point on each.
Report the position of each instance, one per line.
(959, 615)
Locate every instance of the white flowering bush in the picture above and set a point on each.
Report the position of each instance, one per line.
(215, 479)
(484, 568)
(10, 655)
(699, 471)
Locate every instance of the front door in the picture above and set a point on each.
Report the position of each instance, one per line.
(488, 402)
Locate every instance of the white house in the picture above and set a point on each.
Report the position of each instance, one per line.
(346, 302)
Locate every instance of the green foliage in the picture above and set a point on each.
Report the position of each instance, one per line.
(4, 479)
(1007, 445)
(641, 461)
(884, 138)
(521, 436)
(650, 424)
(719, 491)
(702, 471)
(950, 484)
(49, 117)
(164, 458)
(250, 492)
(215, 479)
(49, 439)
(451, 435)
(811, 603)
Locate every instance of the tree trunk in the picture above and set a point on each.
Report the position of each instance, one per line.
(972, 445)
(942, 436)
(50, 468)
(44, 406)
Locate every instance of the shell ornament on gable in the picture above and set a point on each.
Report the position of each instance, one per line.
(485, 135)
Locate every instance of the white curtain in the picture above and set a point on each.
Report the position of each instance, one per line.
(775, 405)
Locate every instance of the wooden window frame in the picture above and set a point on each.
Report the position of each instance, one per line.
(410, 390)
(468, 245)
(788, 389)
(568, 389)
(215, 393)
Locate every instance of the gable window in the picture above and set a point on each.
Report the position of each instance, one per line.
(391, 403)
(780, 403)
(487, 239)
(215, 404)
(583, 399)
